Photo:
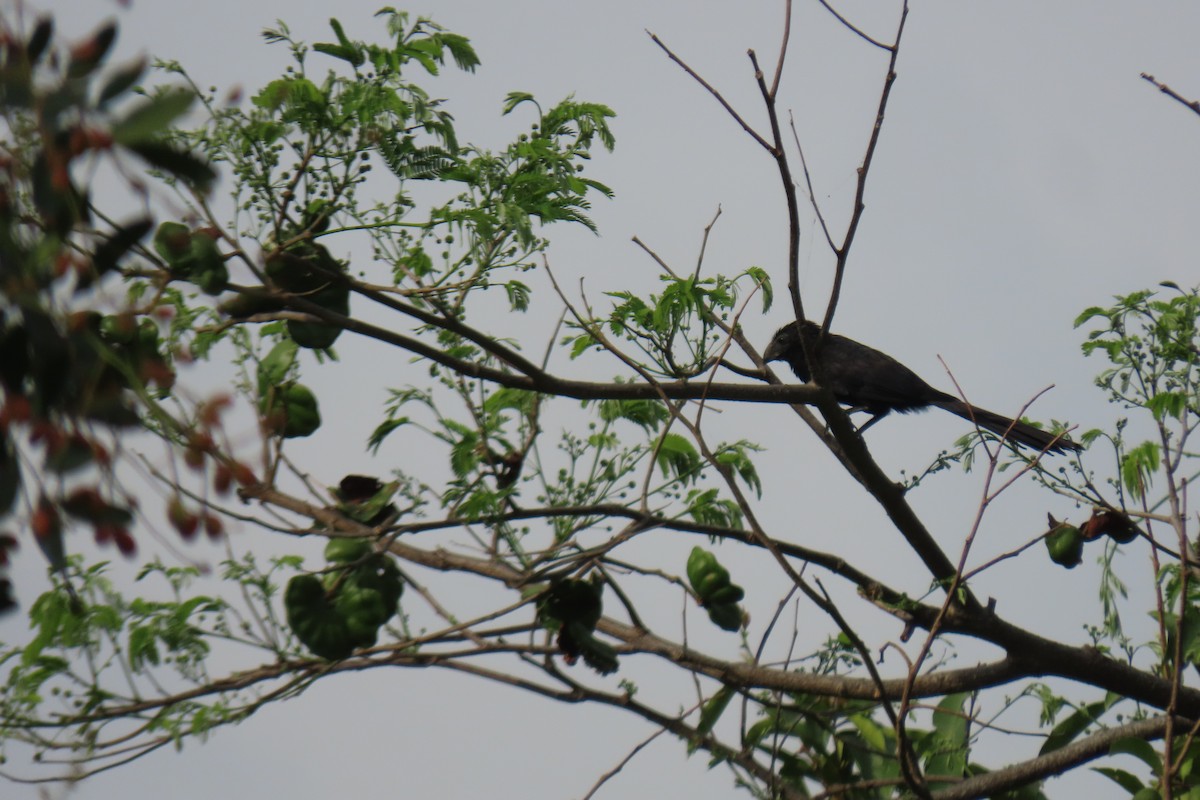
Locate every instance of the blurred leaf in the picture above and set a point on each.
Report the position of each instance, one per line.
(10, 474)
(119, 242)
(152, 116)
(88, 53)
(121, 81)
(276, 367)
(74, 453)
(55, 196)
(42, 32)
(174, 161)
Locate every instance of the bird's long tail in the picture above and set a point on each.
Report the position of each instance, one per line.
(1013, 430)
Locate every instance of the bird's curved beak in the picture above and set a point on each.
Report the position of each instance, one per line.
(774, 351)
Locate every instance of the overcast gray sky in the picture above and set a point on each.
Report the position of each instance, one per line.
(1025, 172)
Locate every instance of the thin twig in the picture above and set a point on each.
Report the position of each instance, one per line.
(843, 252)
(812, 196)
(724, 103)
(783, 46)
(857, 31)
(704, 242)
(622, 763)
(778, 152)
(1194, 105)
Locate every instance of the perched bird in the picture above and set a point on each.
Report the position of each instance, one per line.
(872, 381)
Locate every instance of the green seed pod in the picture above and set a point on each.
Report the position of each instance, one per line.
(173, 242)
(1065, 544)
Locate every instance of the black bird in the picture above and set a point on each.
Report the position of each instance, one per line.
(872, 381)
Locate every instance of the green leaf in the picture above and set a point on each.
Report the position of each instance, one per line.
(710, 712)
(760, 277)
(345, 49)
(735, 457)
(1167, 405)
(947, 750)
(1070, 728)
(370, 511)
(276, 367)
(344, 53)
(289, 92)
(339, 32)
(1138, 465)
(464, 451)
(677, 456)
(383, 431)
(143, 647)
(514, 99)
(581, 343)
(509, 398)
(460, 50)
(1090, 313)
(151, 117)
(1126, 780)
(646, 414)
(1140, 749)
(874, 734)
(518, 295)
(347, 550)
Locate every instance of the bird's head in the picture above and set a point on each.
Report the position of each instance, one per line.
(786, 340)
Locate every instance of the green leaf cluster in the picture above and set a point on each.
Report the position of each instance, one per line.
(1153, 345)
(679, 330)
(857, 749)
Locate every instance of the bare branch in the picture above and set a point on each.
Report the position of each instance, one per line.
(858, 32)
(783, 46)
(843, 252)
(724, 103)
(1194, 105)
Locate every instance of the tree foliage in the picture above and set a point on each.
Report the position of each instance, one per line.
(527, 480)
